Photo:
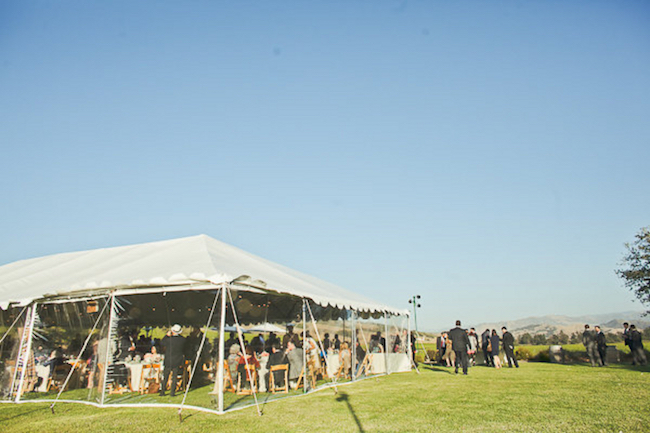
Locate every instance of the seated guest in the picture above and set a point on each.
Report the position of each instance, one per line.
(233, 360)
(277, 357)
(294, 356)
(153, 356)
(247, 359)
(55, 359)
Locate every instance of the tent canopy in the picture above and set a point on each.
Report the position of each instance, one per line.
(177, 262)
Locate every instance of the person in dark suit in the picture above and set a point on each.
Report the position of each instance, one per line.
(509, 347)
(460, 345)
(589, 341)
(601, 344)
(636, 347)
(277, 357)
(626, 334)
(174, 347)
(485, 341)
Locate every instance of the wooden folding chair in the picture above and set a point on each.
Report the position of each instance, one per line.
(311, 376)
(150, 375)
(273, 387)
(59, 374)
(251, 378)
(365, 365)
(228, 384)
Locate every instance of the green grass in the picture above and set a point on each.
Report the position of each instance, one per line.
(535, 397)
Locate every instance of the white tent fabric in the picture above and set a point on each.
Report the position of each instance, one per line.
(267, 327)
(191, 260)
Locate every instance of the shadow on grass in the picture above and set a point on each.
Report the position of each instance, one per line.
(342, 396)
(437, 369)
(27, 412)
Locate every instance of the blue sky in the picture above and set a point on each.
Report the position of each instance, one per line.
(489, 156)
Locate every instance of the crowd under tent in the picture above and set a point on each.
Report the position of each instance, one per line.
(89, 327)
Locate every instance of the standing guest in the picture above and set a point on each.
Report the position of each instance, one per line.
(636, 347)
(449, 356)
(441, 342)
(290, 336)
(336, 343)
(326, 342)
(626, 334)
(509, 347)
(473, 345)
(589, 341)
(345, 358)
(174, 345)
(382, 341)
(294, 356)
(601, 343)
(414, 349)
(485, 342)
(494, 349)
(460, 346)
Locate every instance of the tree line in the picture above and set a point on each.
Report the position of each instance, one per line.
(575, 338)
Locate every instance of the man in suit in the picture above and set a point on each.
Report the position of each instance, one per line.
(601, 344)
(589, 341)
(174, 346)
(509, 347)
(460, 345)
(636, 347)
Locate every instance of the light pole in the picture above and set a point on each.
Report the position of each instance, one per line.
(414, 301)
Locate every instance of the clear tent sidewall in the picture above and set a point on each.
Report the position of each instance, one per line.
(95, 331)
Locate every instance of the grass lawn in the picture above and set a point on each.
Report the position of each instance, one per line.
(535, 397)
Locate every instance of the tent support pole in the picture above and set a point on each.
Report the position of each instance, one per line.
(27, 334)
(77, 361)
(354, 344)
(304, 346)
(198, 356)
(387, 340)
(410, 349)
(111, 324)
(240, 335)
(322, 347)
(222, 344)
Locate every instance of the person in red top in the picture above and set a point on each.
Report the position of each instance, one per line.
(249, 359)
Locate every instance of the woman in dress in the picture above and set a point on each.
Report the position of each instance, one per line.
(494, 345)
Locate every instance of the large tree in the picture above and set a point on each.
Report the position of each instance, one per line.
(635, 268)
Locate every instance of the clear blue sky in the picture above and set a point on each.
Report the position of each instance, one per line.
(490, 156)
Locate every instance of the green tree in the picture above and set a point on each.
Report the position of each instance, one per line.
(525, 338)
(539, 339)
(635, 268)
(562, 338)
(575, 338)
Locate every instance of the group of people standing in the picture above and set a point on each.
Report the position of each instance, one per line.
(460, 347)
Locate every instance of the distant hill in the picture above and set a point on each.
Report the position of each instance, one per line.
(549, 325)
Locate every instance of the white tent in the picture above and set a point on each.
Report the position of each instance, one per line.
(91, 302)
(177, 262)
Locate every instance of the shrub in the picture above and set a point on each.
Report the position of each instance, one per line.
(542, 356)
(523, 354)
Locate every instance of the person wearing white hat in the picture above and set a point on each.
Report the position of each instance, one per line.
(173, 346)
